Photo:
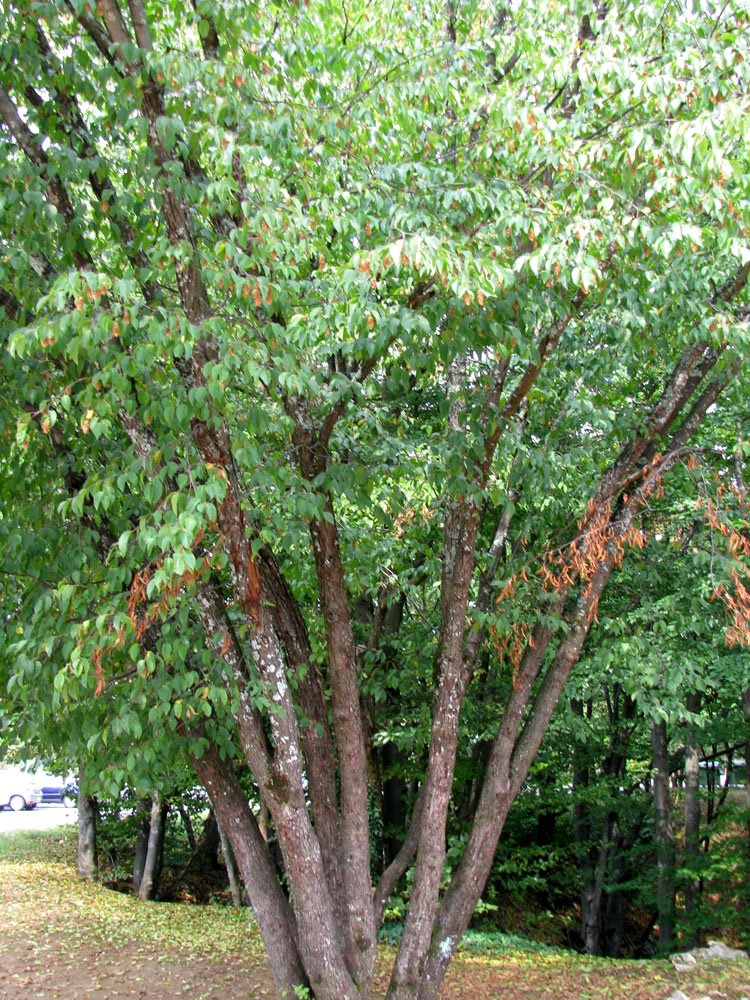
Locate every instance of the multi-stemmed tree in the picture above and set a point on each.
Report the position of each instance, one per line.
(302, 303)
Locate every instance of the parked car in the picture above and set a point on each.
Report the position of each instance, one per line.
(57, 790)
(18, 790)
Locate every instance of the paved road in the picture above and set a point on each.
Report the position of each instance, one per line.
(44, 817)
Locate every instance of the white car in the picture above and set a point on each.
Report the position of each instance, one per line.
(18, 790)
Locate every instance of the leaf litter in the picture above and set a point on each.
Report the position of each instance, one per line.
(62, 938)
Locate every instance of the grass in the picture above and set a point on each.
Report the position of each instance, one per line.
(41, 865)
(39, 845)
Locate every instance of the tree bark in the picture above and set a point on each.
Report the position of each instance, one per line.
(271, 908)
(207, 846)
(141, 843)
(87, 816)
(149, 885)
(510, 760)
(230, 864)
(665, 888)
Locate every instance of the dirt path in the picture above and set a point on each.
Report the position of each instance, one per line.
(50, 968)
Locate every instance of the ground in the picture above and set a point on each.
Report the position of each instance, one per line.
(62, 939)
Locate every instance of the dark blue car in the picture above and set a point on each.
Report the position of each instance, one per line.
(56, 791)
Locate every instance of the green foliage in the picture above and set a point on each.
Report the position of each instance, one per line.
(496, 943)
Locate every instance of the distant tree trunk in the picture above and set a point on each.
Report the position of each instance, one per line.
(614, 918)
(614, 914)
(583, 834)
(235, 886)
(207, 848)
(395, 791)
(665, 891)
(87, 853)
(155, 849)
(692, 825)
(187, 823)
(141, 842)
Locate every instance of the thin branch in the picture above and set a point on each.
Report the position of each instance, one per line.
(140, 24)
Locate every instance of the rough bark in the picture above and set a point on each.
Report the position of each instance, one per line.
(320, 759)
(281, 778)
(347, 725)
(271, 908)
(510, 760)
(460, 534)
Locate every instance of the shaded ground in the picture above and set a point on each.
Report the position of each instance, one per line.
(61, 939)
(52, 968)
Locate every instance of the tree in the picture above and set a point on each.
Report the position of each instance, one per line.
(658, 680)
(414, 304)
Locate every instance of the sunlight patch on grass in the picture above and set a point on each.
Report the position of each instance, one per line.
(44, 891)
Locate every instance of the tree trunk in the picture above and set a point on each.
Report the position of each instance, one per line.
(271, 908)
(614, 914)
(584, 835)
(207, 847)
(692, 826)
(231, 866)
(188, 824)
(665, 890)
(141, 843)
(87, 811)
(155, 849)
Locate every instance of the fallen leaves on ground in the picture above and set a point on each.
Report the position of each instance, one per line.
(65, 939)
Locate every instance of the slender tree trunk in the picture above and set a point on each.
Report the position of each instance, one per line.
(692, 826)
(141, 843)
(207, 847)
(665, 889)
(87, 850)
(155, 849)
(188, 824)
(583, 835)
(230, 864)
(510, 760)
(460, 533)
(347, 725)
(614, 914)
